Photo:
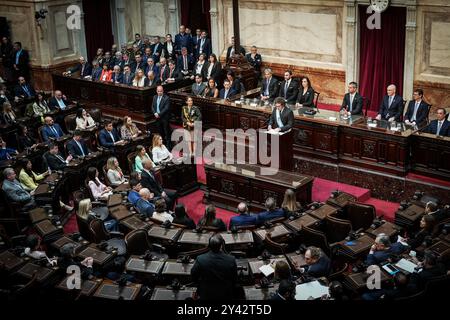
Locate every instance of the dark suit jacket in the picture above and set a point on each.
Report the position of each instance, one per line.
(241, 50)
(53, 104)
(197, 90)
(432, 128)
(149, 181)
(256, 62)
(184, 40)
(96, 72)
(166, 53)
(396, 109)
(119, 77)
(307, 99)
(202, 70)
(422, 112)
(105, 138)
(86, 72)
(207, 50)
(163, 73)
(154, 68)
(175, 74)
(292, 91)
(19, 91)
(216, 275)
(145, 207)
(185, 221)
(381, 256)
(48, 133)
(357, 103)
(24, 60)
(273, 88)
(190, 62)
(418, 280)
(154, 82)
(321, 268)
(53, 162)
(287, 117)
(231, 92)
(129, 80)
(244, 220)
(215, 72)
(269, 215)
(158, 50)
(164, 107)
(74, 149)
(140, 65)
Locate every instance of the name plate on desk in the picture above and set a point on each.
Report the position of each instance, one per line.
(140, 265)
(248, 173)
(177, 268)
(113, 291)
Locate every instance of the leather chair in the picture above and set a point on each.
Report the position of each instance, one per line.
(366, 105)
(105, 174)
(40, 134)
(70, 122)
(84, 229)
(96, 114)
(360, 215)
(137, 242)
(337, 273)
(274, 247)
(130, 159)
(316, 98)
(194, 253)
(100, 233)
(336, 229)
(316, 238)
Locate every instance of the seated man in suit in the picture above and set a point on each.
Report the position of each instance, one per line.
(383, 249)
(255, 60)
(55, 160)
(353, 102)
(215, 272)
(6, 153)
(143, 204)
(199, 86)
(83, 67)
(96, 70)
(227, 92)
(76, 146)
(15, 191)
(51, 130)
(391, 107)
(128, 76)
(231, 51)
(109, 137)
(24, 90)
(58, 101)
(133, 194)
(117, 75)
(285, 291)
(417, 111)
(282, 118)
(149, 181)
(440, 126)
(244, 218)
(271, 211)
(174, 74)
(269, 89)
(317, 263)
(288, 88)
(431, 269)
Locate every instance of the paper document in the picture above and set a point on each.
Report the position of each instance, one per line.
(310, 289)
(406, 265)
(267, 270)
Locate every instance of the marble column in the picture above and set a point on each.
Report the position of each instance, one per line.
(351, 61)
(174, 18)
(410, 48)
(120, 31)
(215, 38)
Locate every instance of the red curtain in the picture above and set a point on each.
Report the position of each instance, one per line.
(195, 14)
(382, 53)
(97, 25)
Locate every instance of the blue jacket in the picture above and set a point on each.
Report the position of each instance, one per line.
(432, 128)
(321, 268)
(231, 92)
(243, 220)
(5, 152)
(48, 133)
(381, 256)
(145, 207)
(269, 215)
(133, 197)
(105, 138)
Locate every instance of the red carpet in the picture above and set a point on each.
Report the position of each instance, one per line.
(322, 189)
(421, 179)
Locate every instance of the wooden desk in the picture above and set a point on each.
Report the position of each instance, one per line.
(296, 260)
(139, 265)
(256, 263)
(199, 239)
(387, 228)
(134, 222)
(88, 287)
(181, 271)
(341, 200)
(304, 221)
(110, 290)
(410, 217)
(162, 293)
(166, 236)
(323, 211)
(229, 185)
(240, 238)
(253, 293)
(58, 244)
(278, 232)
(440, 247)
(360, 247)
(43, 274)
(100, 257)
(358, 281)
(10, 261)
(120, 212)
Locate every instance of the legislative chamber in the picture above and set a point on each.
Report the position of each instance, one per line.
(224, 151)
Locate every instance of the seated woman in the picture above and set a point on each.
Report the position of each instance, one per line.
(84, 120)
(210, 220)
(34, 251)
(159, 151)
(211, 90)
(426, 230)
(8, 116)
(305, 96)
(106, 74)
(28, 178)
(290, 204)
(182, 218)
(189, 115)
(129, 130)
(25, 140)
(161, 213)
(139, 79)
(40, 107)
(140, 157)
(114, 173)
(98, 189)
(86, 213)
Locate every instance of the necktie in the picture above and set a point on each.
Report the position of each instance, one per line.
(26, 90)
(279, 122)
(156, 47)
(61, 104)
(439, 128)
(112, 137)
(416, 107)
(266, 92)
(185, 63)
(390, 100)
(225, 94)
(351, 102)
(81, 148)
(55, 131)
(60, 158)
(202, 42)
(285, 89)
(157, 104)
(82, 69)
(17, 56)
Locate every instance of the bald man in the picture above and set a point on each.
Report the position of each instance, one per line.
(391, 107)
(58, 101)
(83, 67)
(51, 130)
(244, 218)
(143, 204)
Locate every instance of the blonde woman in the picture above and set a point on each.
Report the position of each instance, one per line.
(159, 151)
(129, 130)
(139, 79)
(140, 157)
(290, 204)
(114, 173)
(86, 213)
(189, 115)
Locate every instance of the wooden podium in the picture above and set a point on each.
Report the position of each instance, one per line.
(285, 149)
